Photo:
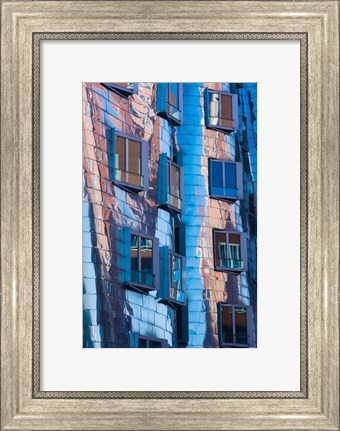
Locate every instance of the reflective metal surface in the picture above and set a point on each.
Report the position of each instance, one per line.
(111, 312)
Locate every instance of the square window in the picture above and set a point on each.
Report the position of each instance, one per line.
(124, 89)
(230, 251)
(170, 102)
(128, 160)
(221, 110)
(170, 185)
(236, 327)
(225, 180)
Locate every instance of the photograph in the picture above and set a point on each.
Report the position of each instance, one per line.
(169, 215)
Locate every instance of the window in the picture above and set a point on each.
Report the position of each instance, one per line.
(182, 325)
(244, 133)
(225, 180)
(143, 342)
(235, 325)
(170, 185)
(251, 197)
(138, 261)
(130, 162)
(169, 102)
(221, 110)
(124, 89)
(230, 251)
(173, 288)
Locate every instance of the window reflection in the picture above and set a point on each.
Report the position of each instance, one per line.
(128, 161)
(173, 185)
(228, 250)
(223, 179)
(141, 260)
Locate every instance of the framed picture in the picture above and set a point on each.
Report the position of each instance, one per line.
(169, 180)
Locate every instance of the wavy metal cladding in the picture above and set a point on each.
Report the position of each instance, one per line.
(112, 313)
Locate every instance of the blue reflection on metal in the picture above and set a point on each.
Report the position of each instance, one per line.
(189, 139)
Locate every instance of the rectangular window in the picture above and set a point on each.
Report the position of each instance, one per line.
(221, 110)
(244, 133)
(169, 102)
(173, 269)
(170, 185)
(251, 197)
(235, 325)
(124, 89)
(230, 251)
(141, 256)
(130, 158)
(225, 180)
(145, 342)
(176, 272)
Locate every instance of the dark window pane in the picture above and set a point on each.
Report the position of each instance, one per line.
(177, 240)
(217, 175)
(226, 108)
(146, 261)
(227, 324)
(241, 325)
(234, 238)
(230, 175)
(155, 344)
(142, 343)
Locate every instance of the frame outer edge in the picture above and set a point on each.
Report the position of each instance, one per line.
(15, 352)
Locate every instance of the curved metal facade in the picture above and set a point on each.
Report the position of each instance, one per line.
(116, 315)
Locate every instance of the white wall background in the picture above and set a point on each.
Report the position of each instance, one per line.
(274, 365)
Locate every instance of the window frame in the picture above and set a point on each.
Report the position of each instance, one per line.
(144, 154)
(250, 325)
(135, 337)
(245, 142)
(124, 261)
(252, 210)
(239, 180)
(243, 251)
(234, 110)
(121, 91)
(163, 201)
(163, 110)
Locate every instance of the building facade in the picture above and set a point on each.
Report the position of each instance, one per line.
(169, 215)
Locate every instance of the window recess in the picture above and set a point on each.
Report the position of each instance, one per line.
(173, 269)
(170, 185)
(143, 342)
(169, 104)
(128, 160)
(221, 110)
(225, 180)
(230, 251)
(124, 89)
(235, 325)
(138, 262)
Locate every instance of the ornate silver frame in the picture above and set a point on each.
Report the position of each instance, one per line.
(315, 25)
